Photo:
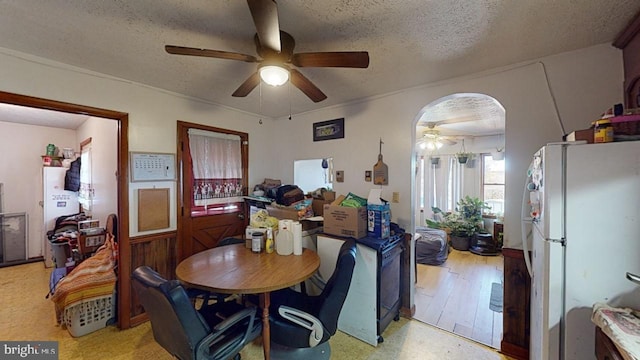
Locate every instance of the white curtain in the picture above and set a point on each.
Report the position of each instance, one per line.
(217, 167)
(443, 184)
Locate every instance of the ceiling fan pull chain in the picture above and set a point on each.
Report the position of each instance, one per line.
(289, 89)
(260, 101)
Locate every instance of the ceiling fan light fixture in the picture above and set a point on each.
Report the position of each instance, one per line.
(274, 75)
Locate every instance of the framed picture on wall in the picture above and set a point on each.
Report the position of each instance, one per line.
(327, 130)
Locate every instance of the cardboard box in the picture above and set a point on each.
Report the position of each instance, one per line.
(586, 134)
(318, 206)
(285, 213)
(282, 213)
(329, 195)
(345, 221)
(378, 221)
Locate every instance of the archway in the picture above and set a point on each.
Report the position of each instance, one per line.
(454, 288)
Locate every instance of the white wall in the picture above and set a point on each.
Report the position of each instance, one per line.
(153, 113)
(21, 173)
(584, 83)
(104, 164)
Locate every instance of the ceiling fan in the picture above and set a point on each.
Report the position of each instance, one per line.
(433, 140)
(275, 55)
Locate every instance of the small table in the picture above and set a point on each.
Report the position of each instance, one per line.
(234, 269)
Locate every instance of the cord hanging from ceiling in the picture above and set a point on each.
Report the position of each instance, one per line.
(289, 88)
(260, 103)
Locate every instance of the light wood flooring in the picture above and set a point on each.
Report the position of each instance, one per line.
(25, 315)
(455, 296)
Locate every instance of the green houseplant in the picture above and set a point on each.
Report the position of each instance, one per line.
(463, 156)
(461, 224)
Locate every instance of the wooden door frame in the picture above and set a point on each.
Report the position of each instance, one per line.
(184, 208)
(124, 251)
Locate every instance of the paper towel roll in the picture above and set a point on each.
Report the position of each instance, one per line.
(297, 238)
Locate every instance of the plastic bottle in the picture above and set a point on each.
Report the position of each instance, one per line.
(269, 243)
(284, 242)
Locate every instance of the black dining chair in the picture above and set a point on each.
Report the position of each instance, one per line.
(220, 332)
(303, 324)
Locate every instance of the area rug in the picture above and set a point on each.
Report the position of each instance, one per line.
(495, 303)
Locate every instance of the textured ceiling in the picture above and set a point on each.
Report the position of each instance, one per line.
(410, 42)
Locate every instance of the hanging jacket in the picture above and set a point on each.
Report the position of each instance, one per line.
(72, 177)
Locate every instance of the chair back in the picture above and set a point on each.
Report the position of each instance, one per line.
(335, 291)
(175, 323)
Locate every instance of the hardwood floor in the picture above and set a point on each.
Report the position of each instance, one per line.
(455, 296)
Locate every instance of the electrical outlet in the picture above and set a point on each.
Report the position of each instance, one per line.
(396, 197)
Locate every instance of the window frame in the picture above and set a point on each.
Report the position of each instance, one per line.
(483, 157)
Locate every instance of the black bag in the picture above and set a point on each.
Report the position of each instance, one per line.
(288, 194)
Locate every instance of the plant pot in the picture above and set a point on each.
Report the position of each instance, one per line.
(497, 155)
(461, 243)
(462, 159)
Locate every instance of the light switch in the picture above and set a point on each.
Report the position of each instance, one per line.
(340, 176)
(396, 197)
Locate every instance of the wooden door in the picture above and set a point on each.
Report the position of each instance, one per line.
(200, 229)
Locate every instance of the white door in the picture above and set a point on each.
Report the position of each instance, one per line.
(546, 297)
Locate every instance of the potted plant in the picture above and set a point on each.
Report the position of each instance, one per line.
(461, 224)
(463, 157)
(498, 154)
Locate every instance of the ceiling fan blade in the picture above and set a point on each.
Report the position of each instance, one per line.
(306, 86)
(349, 59)
(247, 86)
(265, 17)
(181, 50)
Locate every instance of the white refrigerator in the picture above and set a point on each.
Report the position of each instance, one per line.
(56, 202)
(583, 202)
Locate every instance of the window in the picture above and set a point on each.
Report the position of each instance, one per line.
(493, 184)
(217, 172)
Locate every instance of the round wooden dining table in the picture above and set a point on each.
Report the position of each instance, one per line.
(235, 269)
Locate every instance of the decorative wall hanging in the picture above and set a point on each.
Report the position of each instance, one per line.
(327, 130)
(380, 170)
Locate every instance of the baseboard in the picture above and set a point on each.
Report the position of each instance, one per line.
(514, 351)
(408, 312)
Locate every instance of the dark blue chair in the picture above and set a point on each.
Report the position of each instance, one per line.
(301, 324)
(217, 331)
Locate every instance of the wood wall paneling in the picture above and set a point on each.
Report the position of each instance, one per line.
(157, 251)
(517, 299)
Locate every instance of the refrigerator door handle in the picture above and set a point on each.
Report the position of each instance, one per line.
(525, 236)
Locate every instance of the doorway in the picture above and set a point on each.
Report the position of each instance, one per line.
(460, 292)
(124, 288)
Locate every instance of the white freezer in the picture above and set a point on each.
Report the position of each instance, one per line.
(586, 240)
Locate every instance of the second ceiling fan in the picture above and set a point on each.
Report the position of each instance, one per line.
(275, 50)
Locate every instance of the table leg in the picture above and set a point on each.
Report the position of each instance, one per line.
(265, 302)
